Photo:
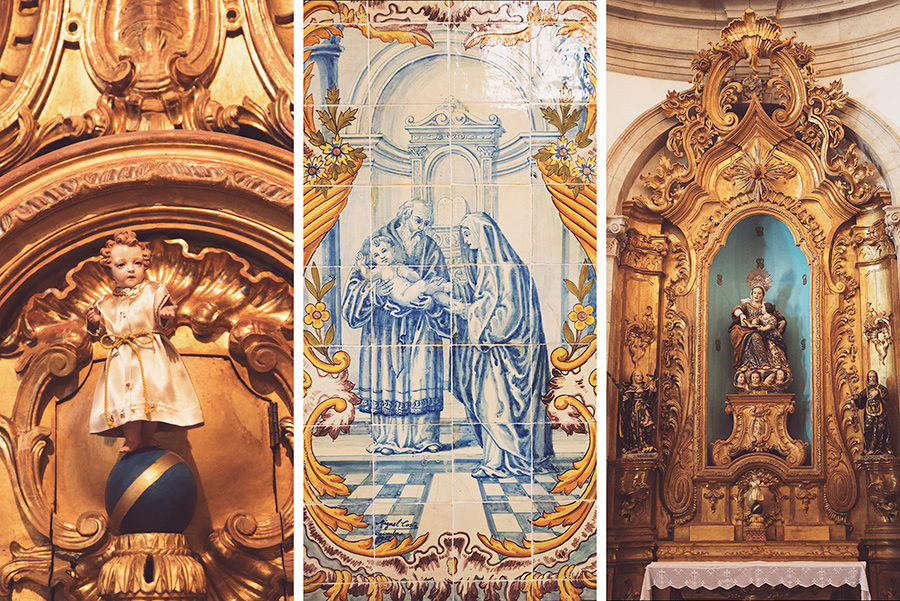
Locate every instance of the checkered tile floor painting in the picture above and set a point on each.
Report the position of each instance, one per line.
(394, 497)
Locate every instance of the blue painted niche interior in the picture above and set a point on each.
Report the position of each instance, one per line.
(790, 292)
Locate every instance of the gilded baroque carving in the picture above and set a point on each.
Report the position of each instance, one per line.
(633, 494)
(767, 488)
(643, 252)
(771, 550)
(775, 201)
(882, 490)
(871, 243)
(806, 494)
(705, 117)
(760, 424)
(152, 63)
(639, 333)
(713, 494)
(255, 309)
(676, 414)
(877, 330)
(186, 171)
(755, 173)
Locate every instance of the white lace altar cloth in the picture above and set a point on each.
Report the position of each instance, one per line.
(720, 574)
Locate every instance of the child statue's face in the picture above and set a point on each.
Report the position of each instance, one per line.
(126, 265)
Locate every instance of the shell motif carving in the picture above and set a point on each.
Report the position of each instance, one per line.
(152, 54)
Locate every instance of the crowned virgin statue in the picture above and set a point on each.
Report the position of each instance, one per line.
(756, 333)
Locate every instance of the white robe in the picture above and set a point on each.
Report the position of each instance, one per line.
(168, 386)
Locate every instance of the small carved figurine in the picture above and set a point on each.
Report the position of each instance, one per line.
(636, 423)
(873, 400)
(144, 382)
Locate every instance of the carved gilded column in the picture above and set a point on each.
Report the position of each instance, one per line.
(879, 474)
(615, 242)
(875, 258)
(633, 471)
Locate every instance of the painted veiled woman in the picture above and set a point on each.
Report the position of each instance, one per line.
(500, 365)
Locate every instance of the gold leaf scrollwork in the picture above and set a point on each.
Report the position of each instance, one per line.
(806, 493)
(713, 494)
(633, 493)
(883, 490)
(877, 330)
(639, 333)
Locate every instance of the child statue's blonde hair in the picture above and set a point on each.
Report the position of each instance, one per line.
(124, 238)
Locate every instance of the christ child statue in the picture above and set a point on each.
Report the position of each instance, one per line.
(144, 384)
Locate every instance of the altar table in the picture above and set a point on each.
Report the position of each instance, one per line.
(721, 574)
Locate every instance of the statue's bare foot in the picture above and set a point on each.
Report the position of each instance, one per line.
(153, 443)
(130, 446)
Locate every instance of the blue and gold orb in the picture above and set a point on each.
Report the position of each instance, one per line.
(150, 490)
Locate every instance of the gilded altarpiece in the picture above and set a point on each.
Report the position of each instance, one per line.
(756, 139)
(174, 120)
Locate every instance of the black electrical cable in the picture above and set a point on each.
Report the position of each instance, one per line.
(54, 503)
(274, 444)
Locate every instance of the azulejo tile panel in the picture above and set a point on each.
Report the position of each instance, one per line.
(449, 324)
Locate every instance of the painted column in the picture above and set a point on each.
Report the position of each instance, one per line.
(325, 56)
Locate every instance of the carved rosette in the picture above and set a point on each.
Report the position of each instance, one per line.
(254, 310)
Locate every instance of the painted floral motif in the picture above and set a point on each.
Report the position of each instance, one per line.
(582, 316)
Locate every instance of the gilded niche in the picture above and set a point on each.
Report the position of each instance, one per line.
(226, 310)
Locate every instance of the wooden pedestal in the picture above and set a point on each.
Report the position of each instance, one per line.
(759, 425)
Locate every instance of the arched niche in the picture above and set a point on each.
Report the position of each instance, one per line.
(789, 251)
(759, 236)
(218, 213)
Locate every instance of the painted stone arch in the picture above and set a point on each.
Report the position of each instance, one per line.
(217, 213)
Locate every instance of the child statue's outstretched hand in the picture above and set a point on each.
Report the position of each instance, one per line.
(167, 312)
(93, 316)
